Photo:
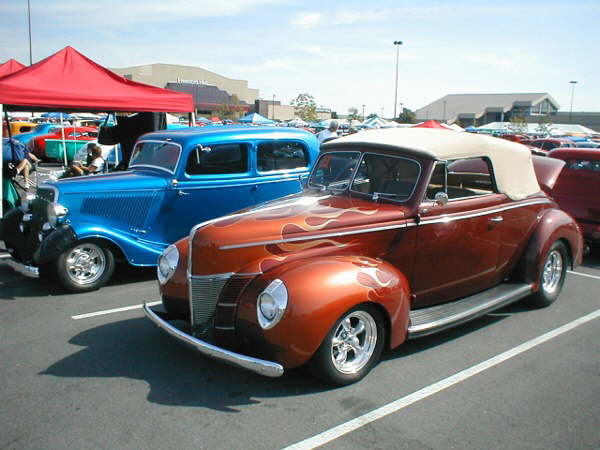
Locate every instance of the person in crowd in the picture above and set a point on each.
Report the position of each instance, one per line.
(328, 133)
(94, 163)
(13, 161)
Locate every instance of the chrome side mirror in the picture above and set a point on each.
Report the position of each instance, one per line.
(441, 198)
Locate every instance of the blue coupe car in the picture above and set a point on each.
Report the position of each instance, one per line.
(75, 229)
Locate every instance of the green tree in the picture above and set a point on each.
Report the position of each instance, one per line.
(353, 114)
(370, 116)
(305, 107)
(406, 116)
(518, 124)
(545, 124)
(334, 115)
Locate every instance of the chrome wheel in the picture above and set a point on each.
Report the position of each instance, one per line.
(553, 271)
(85, 263)
(354, 342)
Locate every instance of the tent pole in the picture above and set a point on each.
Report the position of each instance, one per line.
(62, 132)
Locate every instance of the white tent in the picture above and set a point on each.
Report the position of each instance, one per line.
(378, 122)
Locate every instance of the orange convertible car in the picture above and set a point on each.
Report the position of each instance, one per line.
(400, 233)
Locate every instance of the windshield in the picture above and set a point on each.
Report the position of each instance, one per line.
(162, 155)
(334, 170)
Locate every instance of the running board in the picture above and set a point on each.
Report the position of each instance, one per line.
(440, 317)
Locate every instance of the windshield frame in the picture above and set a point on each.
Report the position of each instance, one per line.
(328, 188)
(172, 172)
(382, 194)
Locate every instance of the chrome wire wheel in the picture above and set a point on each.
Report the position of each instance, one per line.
(354, 342)
(85, 263)
(552, 272)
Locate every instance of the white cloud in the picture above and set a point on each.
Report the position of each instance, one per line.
(115, 12)
(307, 20)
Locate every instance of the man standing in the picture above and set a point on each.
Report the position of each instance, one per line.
(329, 133)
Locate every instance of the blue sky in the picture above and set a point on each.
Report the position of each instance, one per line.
(340, 52)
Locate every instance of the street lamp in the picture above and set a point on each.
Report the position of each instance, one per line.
(273, 106)
(573, 83)
(29, 22)
(363, 106)
(397, 44)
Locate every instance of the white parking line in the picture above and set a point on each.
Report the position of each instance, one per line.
(397, 405)
(584, 275)
(110, 311)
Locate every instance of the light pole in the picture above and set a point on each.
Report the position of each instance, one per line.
(397, 44)
(444, 116)
(573, 83)
(29, 21)
(273, 106)
(363, 106)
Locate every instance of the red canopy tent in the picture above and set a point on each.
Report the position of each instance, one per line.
(10, 66)
(70, 81)
(431, 124)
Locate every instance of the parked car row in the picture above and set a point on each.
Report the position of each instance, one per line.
(275, 255)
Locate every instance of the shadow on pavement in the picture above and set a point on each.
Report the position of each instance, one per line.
(176, 375)
(14, 285)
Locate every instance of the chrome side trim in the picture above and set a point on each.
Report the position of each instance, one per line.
(450, 218)
(260, 366)
(318, 236)
(249, 183)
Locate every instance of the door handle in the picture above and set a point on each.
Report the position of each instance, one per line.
(496, 219)
(181, 193)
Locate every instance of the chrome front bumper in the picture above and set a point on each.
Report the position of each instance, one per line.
(260, 366)
(24, 269)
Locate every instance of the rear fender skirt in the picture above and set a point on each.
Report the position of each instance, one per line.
(554, 225)
(320, 290)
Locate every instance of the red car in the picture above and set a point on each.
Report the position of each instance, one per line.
(401, 233)
(38, 144)
(548, 144)
(577, 189)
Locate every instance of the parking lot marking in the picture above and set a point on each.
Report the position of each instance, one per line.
(584, 275)
(110, 311)
(397, 405)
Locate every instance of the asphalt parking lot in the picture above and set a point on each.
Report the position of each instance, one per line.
(89, 371)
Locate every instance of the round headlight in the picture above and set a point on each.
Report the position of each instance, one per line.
(271, 304)
(167, 263)
(56, 211)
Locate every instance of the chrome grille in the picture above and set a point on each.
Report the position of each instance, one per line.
(205, 292)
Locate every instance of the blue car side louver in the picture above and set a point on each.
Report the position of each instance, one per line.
(130, 209)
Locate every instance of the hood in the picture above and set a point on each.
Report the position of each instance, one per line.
(259, 239)
(116, 181)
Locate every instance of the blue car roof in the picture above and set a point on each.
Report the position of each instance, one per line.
(234, 132)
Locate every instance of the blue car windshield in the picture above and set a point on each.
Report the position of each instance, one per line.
(160, 155)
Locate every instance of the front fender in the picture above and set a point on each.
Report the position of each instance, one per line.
(554, 225)
(137, 252)
(320, 290)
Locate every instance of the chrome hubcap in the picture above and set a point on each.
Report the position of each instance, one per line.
(85, 263)
(354, 342)
(552, 272)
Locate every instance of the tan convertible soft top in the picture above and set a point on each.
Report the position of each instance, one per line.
(512, 162)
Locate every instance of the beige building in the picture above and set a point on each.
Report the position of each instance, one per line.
(161, 74)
